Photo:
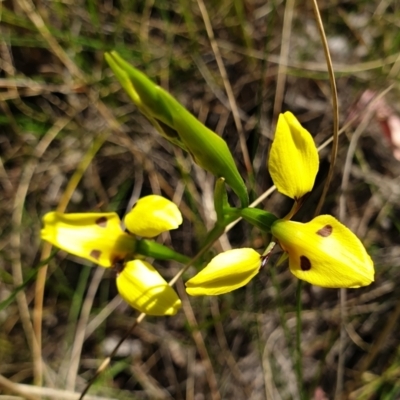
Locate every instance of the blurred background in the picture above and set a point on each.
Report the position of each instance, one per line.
(70, 139)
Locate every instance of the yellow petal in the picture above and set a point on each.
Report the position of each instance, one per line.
(226, 272)
(152, 215)
(144, 289)
(97, 237)
(324, 252)
(293, 159)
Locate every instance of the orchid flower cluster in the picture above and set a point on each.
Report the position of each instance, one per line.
(322, 251)
(100, 238)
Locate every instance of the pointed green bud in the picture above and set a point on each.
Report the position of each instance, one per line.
(178, 125)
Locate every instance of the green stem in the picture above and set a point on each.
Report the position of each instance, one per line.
(149, 248)
(282, 312)
(214, 234)
(255, 216)
(299, 368)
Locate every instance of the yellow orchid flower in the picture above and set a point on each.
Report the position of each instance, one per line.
(324, 252)
(293, 160)
(152, 215)
(141, 286)
(99, 237)
(226, 272)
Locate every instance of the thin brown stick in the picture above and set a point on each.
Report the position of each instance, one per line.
(30, 392)
(106, 361)
(335, 114)
(81, 328)
(15, 388)
(102, 315)
(312, 66)
(283, 58)
(335, 105)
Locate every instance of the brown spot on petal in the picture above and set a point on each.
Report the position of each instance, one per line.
(102, 222)
(325, 231)
(95, 254)
(305, 263)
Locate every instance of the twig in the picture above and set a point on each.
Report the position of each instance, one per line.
(335, 106)
(283, 58)
(15, 388)
(342, 69)
(81, 328)
(107, 360)
(30, 392)
(102, 315)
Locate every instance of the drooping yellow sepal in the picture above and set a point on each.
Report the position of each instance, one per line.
(226, 272)
(152, 215)
(293, 159)
(144, 289)
(97, 237)
(325, 253)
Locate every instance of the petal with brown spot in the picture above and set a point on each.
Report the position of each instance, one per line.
(325, 231)
(305, 263)
(102, 222)
(95, 254)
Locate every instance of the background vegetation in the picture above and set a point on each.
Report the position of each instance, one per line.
(70, 139)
